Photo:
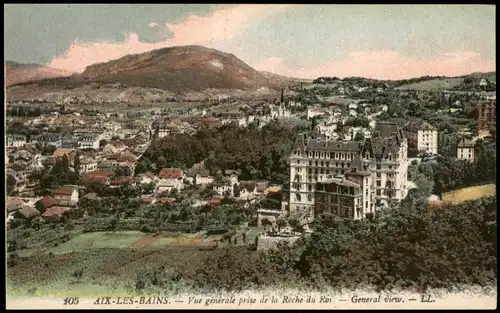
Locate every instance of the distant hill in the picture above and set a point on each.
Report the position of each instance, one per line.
(175, 69)
(185, 71)
(464, 82)
(16, 73)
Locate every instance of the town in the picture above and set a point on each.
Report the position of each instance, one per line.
(352, 147)
(236, 155)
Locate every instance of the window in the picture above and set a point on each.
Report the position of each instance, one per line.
(298, 161)
(366, 204)
(309, 198)
(378, 175)
(327, 164)
(378, 193)
(378, 183)
(321, 163)
(309, 187)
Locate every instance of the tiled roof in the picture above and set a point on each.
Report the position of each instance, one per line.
(29, 212)
(123, 180)
(54, 211)
(47, 202)
(171, 173)
(64, 191)
(165, 200)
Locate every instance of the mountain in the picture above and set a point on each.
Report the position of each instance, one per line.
(178, 69)
(16, 73)
(183, 72)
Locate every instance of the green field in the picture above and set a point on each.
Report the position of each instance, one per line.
(433, 84)
(95, 240)
(122, 240)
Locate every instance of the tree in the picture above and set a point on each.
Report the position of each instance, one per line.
(76, 164)
(359, 136)
(102, 143)
(282, 223)
(266, 222)
(11, 184)
(296, 224)
(49, 150)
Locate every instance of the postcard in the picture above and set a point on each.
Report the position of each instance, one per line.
(250, 156)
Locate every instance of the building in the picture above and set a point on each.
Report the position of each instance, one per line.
(422, 137)
(170, 178)
(466, 150)
(313, 111)
(69, 141)
(236, 118)
(387, 149)
(60, 153)
(315, 160)
(87, 165)
(487, 113)
(89, 142)
(16, 140)
(349, 196)
(66, 196)
(51, 140)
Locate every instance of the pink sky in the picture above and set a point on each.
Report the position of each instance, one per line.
(218, 27)
(222, 25)
(385, 65)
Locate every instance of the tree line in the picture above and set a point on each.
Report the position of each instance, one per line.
(258, 153)
(414, 249)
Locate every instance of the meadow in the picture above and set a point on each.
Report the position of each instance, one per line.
(469, 193)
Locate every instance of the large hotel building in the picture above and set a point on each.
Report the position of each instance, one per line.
(487, 115)
(347, 178)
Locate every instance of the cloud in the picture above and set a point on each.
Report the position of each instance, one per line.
(152, 25)
(217, 28)
(386, 65)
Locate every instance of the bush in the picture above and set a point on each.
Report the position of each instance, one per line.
(146, 229)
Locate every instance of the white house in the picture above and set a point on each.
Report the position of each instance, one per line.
(314, 111)
(16, 140)
(87, 165)
(66, 196)
(203, 178)
(465, 150)
(422, 137)
(226, 185)
(170, 178)
(88, 142)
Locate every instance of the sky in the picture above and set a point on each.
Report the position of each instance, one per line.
(306, 41)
